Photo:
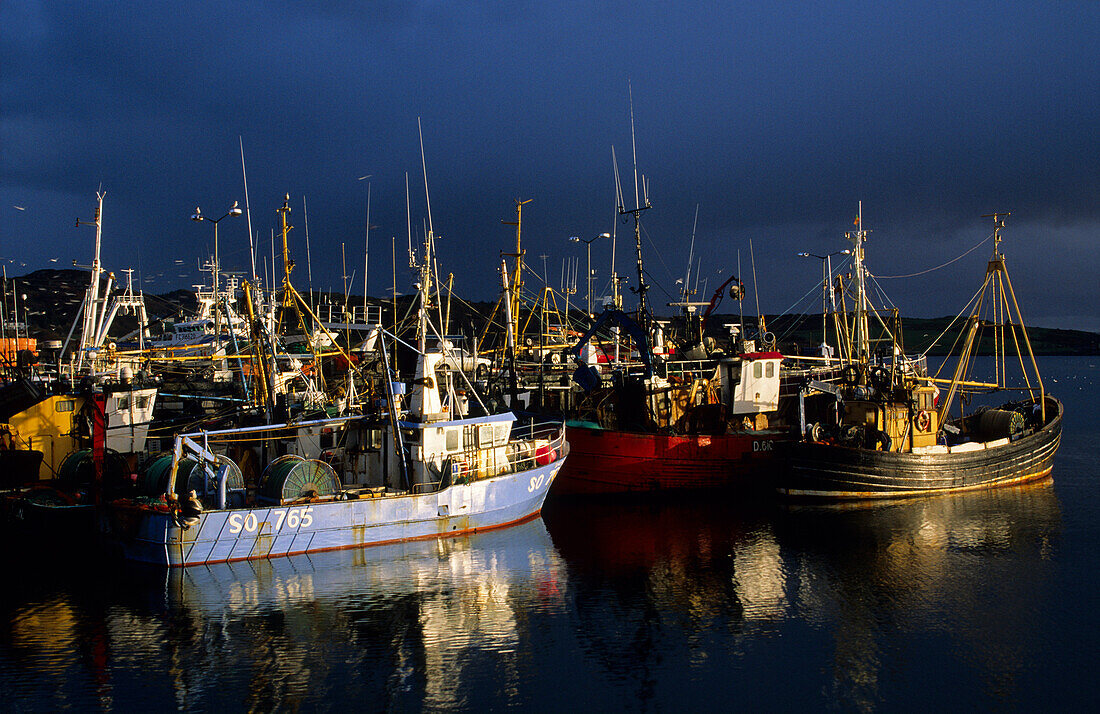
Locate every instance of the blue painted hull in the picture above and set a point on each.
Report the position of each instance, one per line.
(265, 532)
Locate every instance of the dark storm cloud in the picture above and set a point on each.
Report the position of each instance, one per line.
(775, 120)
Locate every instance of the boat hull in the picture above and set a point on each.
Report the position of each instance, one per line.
(612, 461)
(827, 471)
(264, 532)
(46, 515)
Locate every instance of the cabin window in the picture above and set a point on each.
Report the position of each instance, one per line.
(374, 439)
(757, 370)
(484, 435)
(452, 440)
(123, 403)
(143, 402)
(502, 433)
(769, 370)
(66, 405)
(468, 437)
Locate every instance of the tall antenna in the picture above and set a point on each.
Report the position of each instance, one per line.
(618, 184)
(344, 270)
(760, 327)
(424, 168)
(247, 213)
(614, 234)
(685, 293)
(366, 254)
(643, 310)
(309, 259)
(408, 223)
(633, 144)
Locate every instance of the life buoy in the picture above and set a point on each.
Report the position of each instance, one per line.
(924, 420)
(545, 455)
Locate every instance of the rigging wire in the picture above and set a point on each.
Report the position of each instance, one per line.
(967, 309)
(924, 272)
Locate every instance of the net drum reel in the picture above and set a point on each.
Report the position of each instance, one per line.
(291, 477)
(78, 468)
(191, 476)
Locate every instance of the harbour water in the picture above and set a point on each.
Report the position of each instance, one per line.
(701, 602)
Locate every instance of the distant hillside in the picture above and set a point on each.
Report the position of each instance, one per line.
(918, 334)
(53, 298)
(49, 300)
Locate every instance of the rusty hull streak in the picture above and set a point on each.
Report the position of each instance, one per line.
(449, 534)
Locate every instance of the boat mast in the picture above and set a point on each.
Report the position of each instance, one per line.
(862, 332)
(288, 264)
(425, 285)
(517, 272)
(1014, 317)
(92, 298)
(426, 263)
(643, 310)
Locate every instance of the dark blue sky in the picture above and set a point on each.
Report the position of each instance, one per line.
(774, 118)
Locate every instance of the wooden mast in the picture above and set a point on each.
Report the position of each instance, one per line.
(517, 272)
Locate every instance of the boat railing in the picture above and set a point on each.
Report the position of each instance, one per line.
(917, 364)
(545, 430)
(690, 369)
(530, 446)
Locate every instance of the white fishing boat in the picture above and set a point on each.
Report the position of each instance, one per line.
(395, 473)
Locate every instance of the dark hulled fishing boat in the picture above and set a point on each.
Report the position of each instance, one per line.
(884, 434)
(829, 470)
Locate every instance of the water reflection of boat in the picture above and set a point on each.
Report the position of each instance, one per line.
(493, 559)
(408, 626)
(443, 615)
(669, 573)
(939, 567)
